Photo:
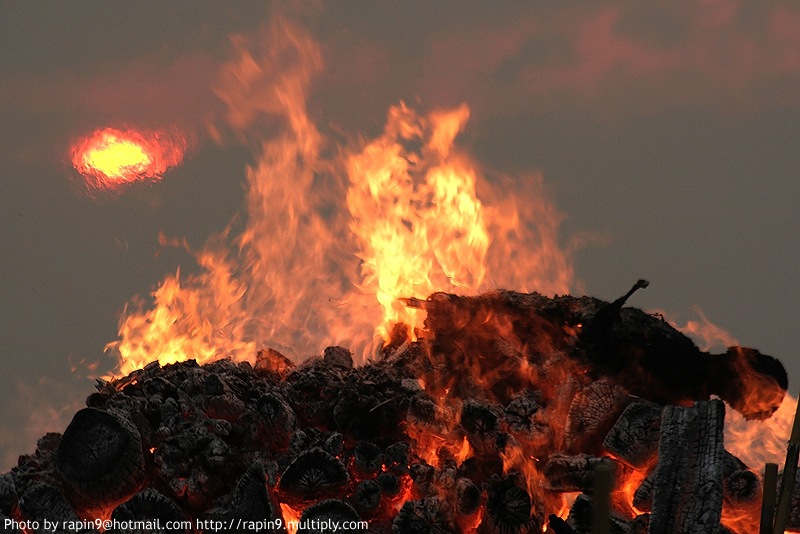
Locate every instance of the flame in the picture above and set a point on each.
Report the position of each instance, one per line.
(421, 225)
(291, 518)
(706, 334)
(305, 273)
(109, 159)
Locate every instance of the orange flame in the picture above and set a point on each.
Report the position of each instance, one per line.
(110, 159)
(304, 273)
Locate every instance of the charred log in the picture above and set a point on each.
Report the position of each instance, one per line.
(313, 473)
(688, 478)
(100, 456)
(367, 458)
(571, 473)
(367, 497)
(146, 506)
(428, 516)
(468, 496)
(42, 501)
(326, 517)
(634, 437)
(592, 413)
(580, 517)
(508, 509)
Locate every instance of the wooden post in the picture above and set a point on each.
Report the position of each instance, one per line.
(601, 516)
(768, 498)
(787, 480)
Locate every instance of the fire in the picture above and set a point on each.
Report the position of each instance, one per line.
(331, 243)
(291, 518)
(109, 158)
(416, 213)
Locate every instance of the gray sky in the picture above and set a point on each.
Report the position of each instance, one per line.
(670, 129)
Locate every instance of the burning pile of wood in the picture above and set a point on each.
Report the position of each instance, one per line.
(485, 421)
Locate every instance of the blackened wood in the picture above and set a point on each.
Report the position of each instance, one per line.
(432, 515)
(468, 496)
(634, 437)
(643, 496)
(366, 498)
(788, 478)
(148, 504)
(367, 457)
(601, 514)
(42, 501)
(481, 422)
(100, 455)
(688, 481)
(8, 494)
(592, 413)
(508, 508)
(329, 514)
(768, 498)
(558, 526)
(312, 474)
(570, 472)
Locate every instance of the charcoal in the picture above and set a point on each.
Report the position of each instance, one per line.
(431, 515)
(8, 494)
(339, 357)
(580, 517)
(570, 472)
(523, 406)
(640, 524)
(481, 422)
(366, 497)
(389, 483)
(643, 496)
(326, 517)
(468, 496)
(396, 457)
(742, 486)
(423, 476)
(100, 455)
(279, 418)
(250, 508)
(148, 504)
(508, 509)
(592, 412)
(8, 526)
(313, 473)
(557, 525)
(42, 501)
(634, 437)
(367, 458)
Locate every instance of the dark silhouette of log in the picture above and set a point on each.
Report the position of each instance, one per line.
(279, 418)
(389, 483)
(146, 505)
(788, 480)
(100, 456)
(601, 497)
(8, 494)
(768, 498)
(481, 423)
(688, 493)
(558, 526)
(643, 496)
(396, 457)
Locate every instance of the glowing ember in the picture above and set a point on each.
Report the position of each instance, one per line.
(110, 159)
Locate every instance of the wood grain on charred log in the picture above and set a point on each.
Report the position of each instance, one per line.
(313, 473)
(100, 456)
(148, 505)
(687, 498)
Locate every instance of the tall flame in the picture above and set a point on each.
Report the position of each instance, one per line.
(305, 273)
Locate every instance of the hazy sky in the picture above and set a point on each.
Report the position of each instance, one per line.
(669, 129)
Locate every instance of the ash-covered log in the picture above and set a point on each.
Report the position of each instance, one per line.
(688, 483)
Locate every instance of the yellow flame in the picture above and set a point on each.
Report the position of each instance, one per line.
(119, 158)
